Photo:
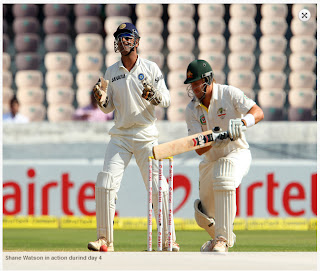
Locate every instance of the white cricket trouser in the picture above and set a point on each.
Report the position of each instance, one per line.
(118, 155)
(241, 159)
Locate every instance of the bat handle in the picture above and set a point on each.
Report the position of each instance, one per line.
(217, 131)
(223, 135)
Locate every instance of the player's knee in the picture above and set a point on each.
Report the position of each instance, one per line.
(106, 187)
(105, 180)
(224, 175)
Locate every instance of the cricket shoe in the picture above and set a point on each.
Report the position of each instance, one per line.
(95, 245)
(175, 246)
(208, 246)
(220, 245)
(215, 245)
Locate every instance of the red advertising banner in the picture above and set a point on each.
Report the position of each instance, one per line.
(59, 188)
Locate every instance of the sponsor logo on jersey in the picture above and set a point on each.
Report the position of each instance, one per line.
(158, 79)
(118, 77)
(141, 76)
(203, 120)
(221, 112)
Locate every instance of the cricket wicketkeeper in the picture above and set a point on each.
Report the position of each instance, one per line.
(226, 161)
(132, 87)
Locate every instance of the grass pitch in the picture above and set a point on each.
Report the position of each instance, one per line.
(125, 240)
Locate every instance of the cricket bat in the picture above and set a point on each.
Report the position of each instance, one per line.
(188, 143)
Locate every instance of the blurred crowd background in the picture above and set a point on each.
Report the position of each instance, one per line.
(53, 54)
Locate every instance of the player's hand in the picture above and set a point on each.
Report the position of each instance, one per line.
(236, 128)
(150, 93)
(100, 92)
(222, 138)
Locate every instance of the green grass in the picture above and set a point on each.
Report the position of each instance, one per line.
(76, 240)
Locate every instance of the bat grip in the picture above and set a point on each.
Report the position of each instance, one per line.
(223, 135)
(219, 134)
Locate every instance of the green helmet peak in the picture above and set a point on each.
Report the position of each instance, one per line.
(199, 69)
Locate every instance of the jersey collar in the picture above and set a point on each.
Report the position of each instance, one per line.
(120, 65)
(215, 91)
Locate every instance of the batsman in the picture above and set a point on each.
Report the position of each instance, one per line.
(227, 160)
(132, 87)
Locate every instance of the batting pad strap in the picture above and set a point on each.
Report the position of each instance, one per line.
(203, 220)
(105, 195)
(249, 120)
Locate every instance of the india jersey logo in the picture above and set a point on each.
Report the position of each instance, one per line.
(203, 120)
(221, 112)
(141, 76)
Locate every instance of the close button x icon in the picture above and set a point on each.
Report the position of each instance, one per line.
(304, 15)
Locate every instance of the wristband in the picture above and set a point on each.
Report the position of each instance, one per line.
(249, 120)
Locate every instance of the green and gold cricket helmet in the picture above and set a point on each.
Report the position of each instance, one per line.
(199, 69)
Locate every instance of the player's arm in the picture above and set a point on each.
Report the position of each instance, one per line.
(203, 150)
(253, 114)
(194, 127)
(161, 86)
(257, 114)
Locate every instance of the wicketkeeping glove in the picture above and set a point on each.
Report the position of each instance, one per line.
(236, 128)
(150, 93)
(100, 92)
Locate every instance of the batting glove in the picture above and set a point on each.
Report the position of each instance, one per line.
(222, 138)
(150, 93)
(236, 128)
(100, 92)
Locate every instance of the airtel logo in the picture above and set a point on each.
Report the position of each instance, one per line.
(13, 192)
